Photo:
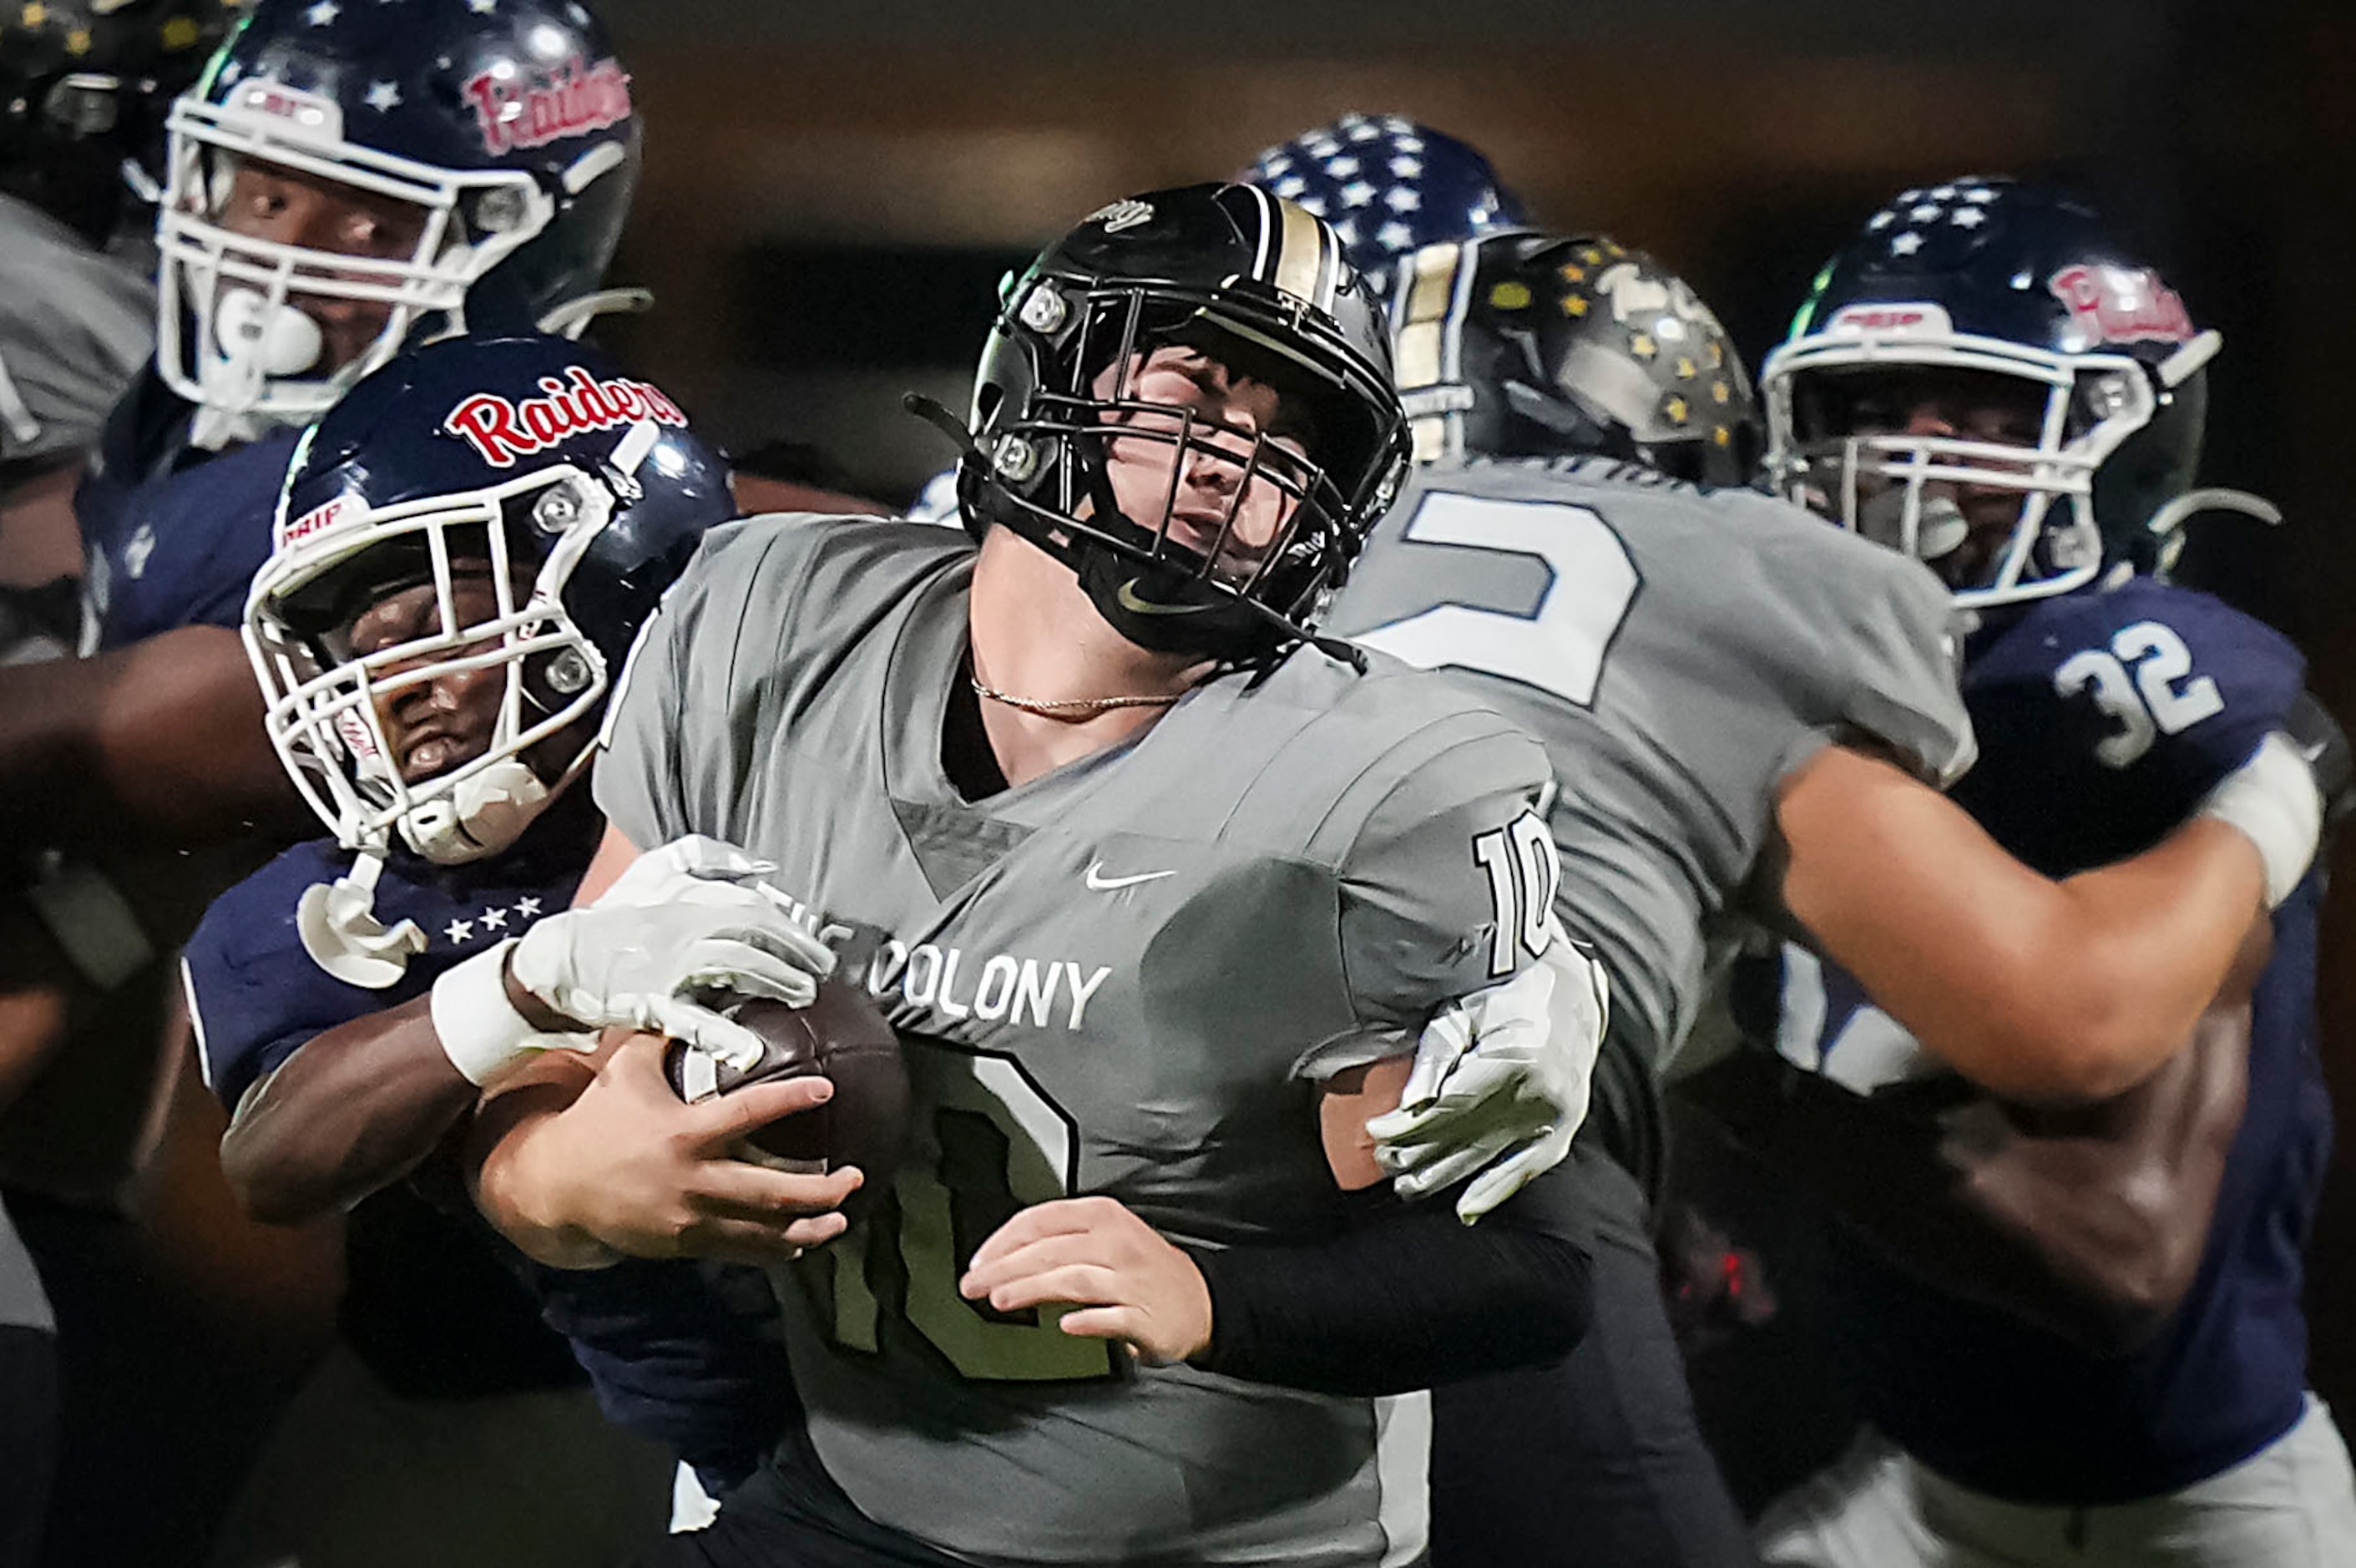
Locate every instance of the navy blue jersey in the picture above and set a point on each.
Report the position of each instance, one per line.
(2104, 718)
(680, 1353)
(172, 535)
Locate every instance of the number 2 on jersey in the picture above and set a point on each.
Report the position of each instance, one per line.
(1558, 645)
(994, 1144)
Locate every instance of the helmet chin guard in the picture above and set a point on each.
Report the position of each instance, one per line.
(484, 814)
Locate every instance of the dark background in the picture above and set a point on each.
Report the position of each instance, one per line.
(832, 191)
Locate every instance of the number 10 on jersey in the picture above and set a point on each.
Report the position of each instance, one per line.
(1523, 875)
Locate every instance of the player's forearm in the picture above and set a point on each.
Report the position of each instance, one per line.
(354, 1111)
(1884, 1175)
(2117, 1210)
(2089, 1223)
(1405, 1297)
(2040, 991)
(517, 1193)
(161, 740)
(2137, 951)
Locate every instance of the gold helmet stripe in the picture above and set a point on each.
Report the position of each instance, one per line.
(1305, 264)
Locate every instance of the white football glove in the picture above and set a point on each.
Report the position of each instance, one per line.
(1501, 1080)
(686, 920)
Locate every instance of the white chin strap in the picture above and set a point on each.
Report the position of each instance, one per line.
(483, 814)
(255, 340)
(340, 931)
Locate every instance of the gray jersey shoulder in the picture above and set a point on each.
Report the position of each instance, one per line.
(1679, 652)
(75, 327)
(768, 608)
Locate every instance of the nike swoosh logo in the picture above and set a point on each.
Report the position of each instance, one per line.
(1100, 883)
(1126, 595)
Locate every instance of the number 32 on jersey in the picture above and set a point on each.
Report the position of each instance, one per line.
(2157, 700)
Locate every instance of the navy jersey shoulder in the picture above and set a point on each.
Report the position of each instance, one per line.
(2104, 718)
(171, 536)
(256, 993)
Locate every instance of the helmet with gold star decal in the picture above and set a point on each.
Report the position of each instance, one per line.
(1527, 345)
(83, 87)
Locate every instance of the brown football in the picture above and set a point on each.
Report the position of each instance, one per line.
(843, 1036)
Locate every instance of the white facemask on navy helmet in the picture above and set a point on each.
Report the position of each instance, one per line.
(531, 465)
(496, 144)
(1991, 278)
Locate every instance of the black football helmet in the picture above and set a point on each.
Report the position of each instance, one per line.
(507, 127)
(83, 87)
(1528, 345)
(1255, 283)
(1988, 277)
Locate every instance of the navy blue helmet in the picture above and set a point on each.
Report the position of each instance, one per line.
(490, 143)
(1388, 185)
(84, 86)
(2000, 286)
(578, 492)
(1527, 345)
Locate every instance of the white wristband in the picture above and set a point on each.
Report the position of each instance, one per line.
(2273, 799)
(479, 1028)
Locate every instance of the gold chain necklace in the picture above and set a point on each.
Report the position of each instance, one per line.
(1048, 707)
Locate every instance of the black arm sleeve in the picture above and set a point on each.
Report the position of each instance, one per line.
(1405, 1295)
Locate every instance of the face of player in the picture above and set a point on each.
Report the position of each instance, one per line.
(289, 207)
(1953, 403)
(435, 725)
(1230, 412)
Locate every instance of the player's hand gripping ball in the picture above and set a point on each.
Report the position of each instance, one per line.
(841, 1035)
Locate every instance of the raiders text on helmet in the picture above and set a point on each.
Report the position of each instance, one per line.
(507, 129)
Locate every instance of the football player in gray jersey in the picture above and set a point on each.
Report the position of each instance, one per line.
(82, 89)
(1161, 891)
(1748, 716)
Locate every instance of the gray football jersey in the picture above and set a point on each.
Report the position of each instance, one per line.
(1123, 978)
(75, 327)
(1680, 653)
